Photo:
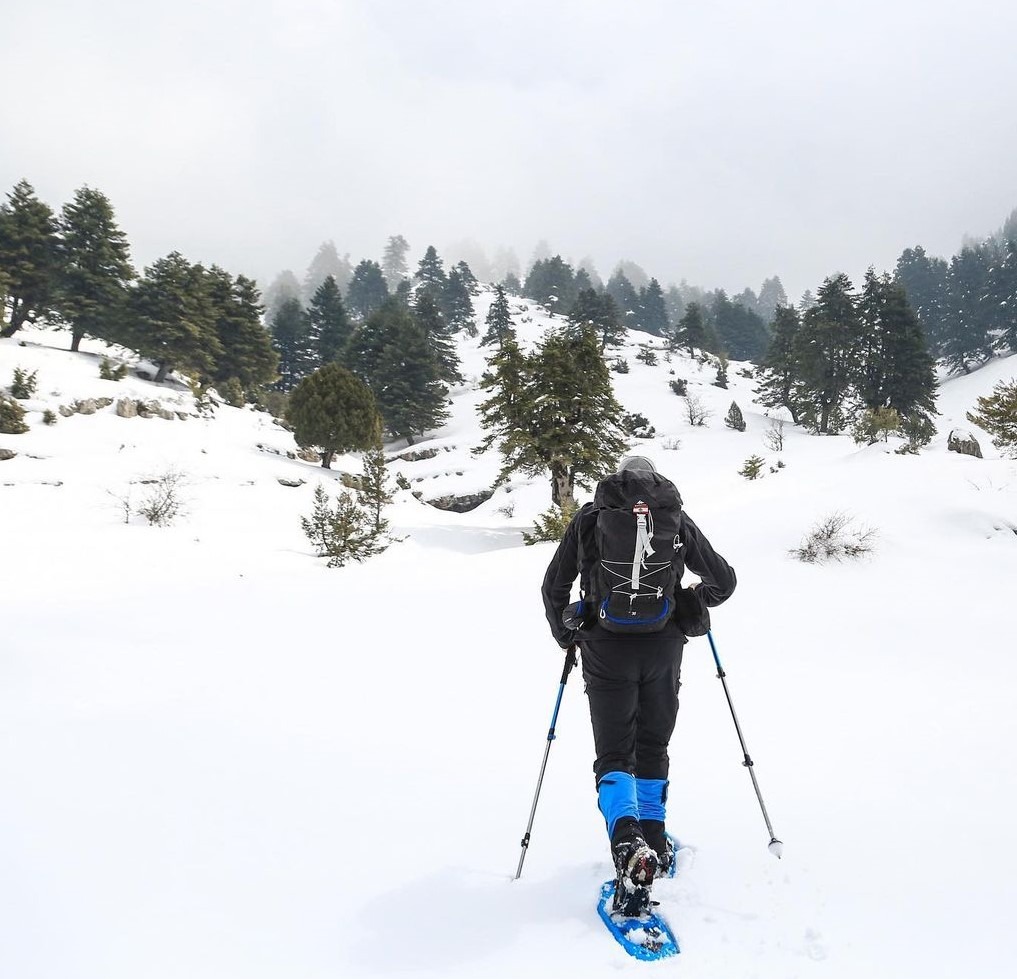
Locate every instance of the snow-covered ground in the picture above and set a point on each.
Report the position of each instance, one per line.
(219, 758)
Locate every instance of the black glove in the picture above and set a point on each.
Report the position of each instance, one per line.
(569, 639)
(691, 613)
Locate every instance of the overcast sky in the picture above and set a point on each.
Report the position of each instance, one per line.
(719, 141)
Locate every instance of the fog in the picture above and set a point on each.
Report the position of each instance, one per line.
(719, 143)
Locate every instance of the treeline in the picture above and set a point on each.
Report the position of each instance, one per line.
(74, 270)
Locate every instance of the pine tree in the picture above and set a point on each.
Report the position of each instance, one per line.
(95, 267)
(498, 320)
(291, 338)
(781, 375)
(327, 262)
(566, 420)
(552, 284)
(512, 285)
(692, 332)
(284, 286)
(1002, 295)
(740, 331)
(771, 296)
(439, 340)
(171, 319)
(469, 280)
(653, 311)
(431, 274)
(457, 305)
(599, 313)
(374, 493)
(330, 327)
(29, 257)
(826, 350)
(734, 418)
(997, 414)
(967, 343)
(334, 411)
(509, 386)
(367, 291)
(343, 534)
(924, 280)
(393, 262)
(246, 346)
(626, 299)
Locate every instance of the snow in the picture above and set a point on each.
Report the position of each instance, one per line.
(219, 758)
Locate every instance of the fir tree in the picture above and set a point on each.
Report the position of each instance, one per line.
(924, 280)
(826, 350)
(29, 257)
(551, 283)
(327, 262)
(457, 305)
(291, 338)
(95, 267)
(431, 274)
(508, 407)
(367, 291)
(771, 297)
(246, 347)
(692, 332)
(330, 327)
(498, 320)
(734, 418)
(468, 279)
(512, 285)
(1002, 295)
(781, 376)
(284, 286)
(967, 342)
(334, 411)
(374, 493)
(436, 330)
(626, 299)
(997, 414)
(740, 331)
(343, 534)
(393, 262)
(653, 311)
(599, 313)
(171, 319)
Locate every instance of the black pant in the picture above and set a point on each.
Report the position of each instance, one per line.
(633, 691)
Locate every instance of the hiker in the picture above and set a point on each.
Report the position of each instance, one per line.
(629, 548)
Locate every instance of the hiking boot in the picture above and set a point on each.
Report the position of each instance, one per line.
(635, 864)
(663, 845)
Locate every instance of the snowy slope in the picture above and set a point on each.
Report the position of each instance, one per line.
(218, 758)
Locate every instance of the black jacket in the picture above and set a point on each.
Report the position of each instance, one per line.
(718, 578)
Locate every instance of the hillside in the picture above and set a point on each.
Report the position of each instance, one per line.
(220, 758)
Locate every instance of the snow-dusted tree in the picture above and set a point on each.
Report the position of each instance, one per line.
(780, 375)
(653, 310)
(327, 262)
(924, 279)
(626, 299)
(734, 418)
(439, 339)
(330, 327)
(342, 534)
(498, 321)
(997, 414)
(373, 492)
(367, 291)
(284, 286)
(967, 343)
(291, 338)
(551, 283)
(457, 304)
(598, 312)
(393, 263)
(692, 331)
(431, 273)
(246, 354)
(771, 295)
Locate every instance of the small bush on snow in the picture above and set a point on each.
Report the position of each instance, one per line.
(833, 539)
(551, 524)
(24, 384)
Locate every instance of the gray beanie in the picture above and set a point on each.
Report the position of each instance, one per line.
(636, 462)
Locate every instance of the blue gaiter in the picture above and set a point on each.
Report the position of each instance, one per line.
(616, 796)
(651, 794)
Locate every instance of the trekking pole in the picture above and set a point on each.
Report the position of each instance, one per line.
(775, 846)
(570, 661)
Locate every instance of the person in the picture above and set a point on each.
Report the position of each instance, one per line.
(632, 682)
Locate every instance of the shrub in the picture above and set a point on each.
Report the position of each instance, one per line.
(874, 425)
(671, 444)
(12, 417)
(110, 373)
(734, 418)
(551, 524)
(647, 355)
(163, 504)
(24, 384)
(680, 386)
(753, 467)
(774, 435)
(696, 412)
(721, 380)
(833, 539)
(637, 426)
(342, 534)
(620, 366)
(232, 392)
(997, 414)
(49, 417)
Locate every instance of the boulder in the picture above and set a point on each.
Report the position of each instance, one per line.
(290, 482)
(66, 410)
(961, 440)
(461, 504)
(6, 454)
(86, 407)
(419, 454)
(127, 408)
(309, 455)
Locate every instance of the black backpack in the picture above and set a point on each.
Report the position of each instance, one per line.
(630, 559)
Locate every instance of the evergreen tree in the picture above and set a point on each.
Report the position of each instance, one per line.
(967, 342)
(327, 262)
(692, 332)
(626, 299)
(343, 534)
(431, 274)
(374, 493)
(781, 377)
(29, 257)
(246, 347)
(391, 353)
(403, 293)
(653, 311)
(734, 418)
(924, 280)
(582, 281)
(512, 285)
(330, 327)
(1002, 296)
(367, 291)
(589, 270)
(826, 350)
(806, 302)
(997, 414)
(566, 421)
(598, 313)
(771, 296)
(551, 283)
(675, 301)
(740, 331)
(468, 279)
(284, 286)
(171, 319)
(334, 411)
(457, 304)
(510, 389)
(498, 321)
(291, 338)
(95, 267)
(438, 333)
(393, 263)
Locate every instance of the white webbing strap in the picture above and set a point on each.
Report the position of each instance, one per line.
(644, 531)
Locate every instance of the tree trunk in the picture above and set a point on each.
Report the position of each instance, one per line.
(75, 341)
(160, 374)
(562, 486)
(326, 459)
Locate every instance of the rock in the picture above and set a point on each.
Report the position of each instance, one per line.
(183, 416)
(166, 414)
(127, 408)
(103, 402)
(290, 482)
(962, 441)
(309, 455)
(66, 411)
(420, 454)
(6, 454)
(86, 407)
(461, 504)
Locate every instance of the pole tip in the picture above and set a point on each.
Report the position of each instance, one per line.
(776, 848)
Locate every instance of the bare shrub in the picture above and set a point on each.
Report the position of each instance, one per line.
(833, 539)
(774, 435)
(163, 504)
(671, 444)
(696, 412)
